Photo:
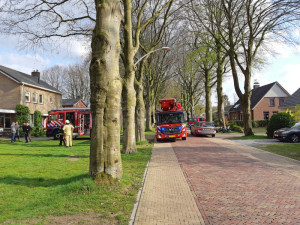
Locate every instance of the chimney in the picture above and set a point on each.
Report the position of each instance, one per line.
(256, 84)
(37, 74)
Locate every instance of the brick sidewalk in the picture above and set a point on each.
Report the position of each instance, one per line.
(166, 197)
(236, 184)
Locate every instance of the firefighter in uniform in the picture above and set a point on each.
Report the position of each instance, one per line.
(68, 131)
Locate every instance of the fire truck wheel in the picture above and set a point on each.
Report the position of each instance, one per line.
(56, 135)
(184, 138)
(173, 139)
(213, 135)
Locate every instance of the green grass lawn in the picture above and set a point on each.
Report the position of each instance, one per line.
(260, 130)
(288, 150)
(41, 182)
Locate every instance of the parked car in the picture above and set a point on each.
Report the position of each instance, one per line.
(203, 128)
(193, 120)
(288, 134)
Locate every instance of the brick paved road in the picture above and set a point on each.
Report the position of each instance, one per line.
(236, 184)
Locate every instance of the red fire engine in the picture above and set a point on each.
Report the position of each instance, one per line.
(170, 120)
(80, 118)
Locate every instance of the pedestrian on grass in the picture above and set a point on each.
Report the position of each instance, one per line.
(13, 132)
(61, 136)
(68, 131)
(27, 129)
(17, 126)
(24, 130)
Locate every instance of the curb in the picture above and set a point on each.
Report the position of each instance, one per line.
(136, 205)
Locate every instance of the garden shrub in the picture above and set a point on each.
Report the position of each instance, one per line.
(279, 120)
(38, 131)
(254, 123)
(22, 114)
(37, 118)
(235, 127)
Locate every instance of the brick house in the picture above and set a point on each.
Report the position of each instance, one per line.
(291, 102)
(265, 101)
(29, 90)
(73, 103)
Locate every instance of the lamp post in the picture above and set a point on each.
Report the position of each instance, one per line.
(140, 59)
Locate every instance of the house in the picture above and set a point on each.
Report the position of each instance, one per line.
(291, 102)
(29, 90)
(73, 103)
(265, 101)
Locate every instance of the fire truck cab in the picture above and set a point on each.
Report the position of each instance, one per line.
(80, 118)
(170, 121)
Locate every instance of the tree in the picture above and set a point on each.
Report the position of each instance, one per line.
(40, 21)
(105, 156)
(244, 28)
(130, 47)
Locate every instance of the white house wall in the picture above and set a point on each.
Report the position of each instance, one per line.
(276, 91)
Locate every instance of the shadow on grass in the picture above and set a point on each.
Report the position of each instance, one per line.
(40, 181)
(46, 155)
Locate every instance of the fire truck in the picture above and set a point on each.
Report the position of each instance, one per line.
(80, 118)
(170, 120)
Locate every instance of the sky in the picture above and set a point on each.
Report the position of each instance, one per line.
(283, 64)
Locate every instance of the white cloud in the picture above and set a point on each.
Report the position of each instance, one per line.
(289, 77)
(25, 63)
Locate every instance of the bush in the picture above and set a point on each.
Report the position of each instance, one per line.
(254, 123)
(279, 120)
(22, 114)
(37, 118)
(235, 127)
(38, 131)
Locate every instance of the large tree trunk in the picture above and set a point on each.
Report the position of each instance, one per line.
(148, 116)
(129, 94)
(129, 103)
(105, 156)
(208, 105)
(140, 106)
(244, 98)
(246, 105)
(221, 116)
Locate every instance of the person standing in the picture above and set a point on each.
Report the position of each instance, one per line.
(17, 126)
(61, 136)
(28, 130)
(13, 132)
(25, 133)
(68, 130)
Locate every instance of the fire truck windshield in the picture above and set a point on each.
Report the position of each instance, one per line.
(52, 117)
(169, 118)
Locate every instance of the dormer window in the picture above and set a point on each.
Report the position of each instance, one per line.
(34, 98)
(272, 101)
(27, 96)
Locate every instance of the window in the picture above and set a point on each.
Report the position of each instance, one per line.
(1, 120)
(41, 99)
(281, 101)
(27, 96)
(61, 116)
(7, 122)
(272, 101)
(34, 98)
(266, 115)
(51, 99)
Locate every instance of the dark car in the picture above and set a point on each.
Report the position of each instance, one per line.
(288, 134)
